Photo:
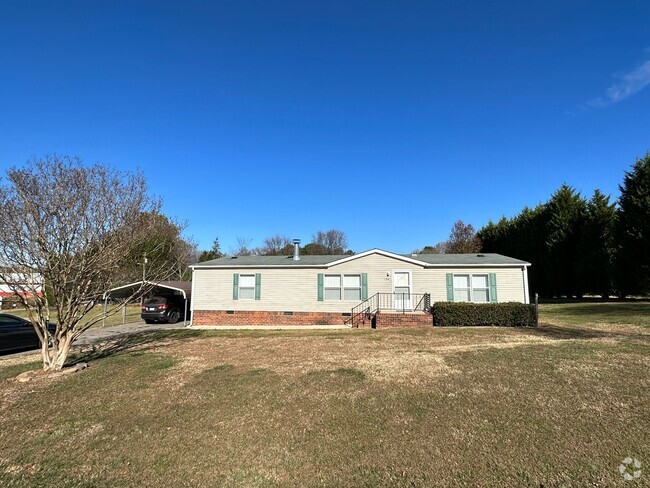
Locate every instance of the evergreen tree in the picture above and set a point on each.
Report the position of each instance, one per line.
(566, 212)
(633, 231)
(527, 241)
(213, 253)
(596, 248)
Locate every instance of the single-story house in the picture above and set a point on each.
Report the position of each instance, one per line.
(326, 289)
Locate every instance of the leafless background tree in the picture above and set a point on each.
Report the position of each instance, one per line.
(243, 248)
(332, 241)
(276, 245)
(74, 227)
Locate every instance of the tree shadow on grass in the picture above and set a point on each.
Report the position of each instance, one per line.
(142, 341)
(563, 332)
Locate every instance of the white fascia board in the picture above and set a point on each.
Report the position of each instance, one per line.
(325, 266)
(257, 266)
(483, 265)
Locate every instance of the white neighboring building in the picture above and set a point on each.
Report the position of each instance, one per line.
(29, 285)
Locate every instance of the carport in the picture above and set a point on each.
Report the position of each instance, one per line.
(140, 288)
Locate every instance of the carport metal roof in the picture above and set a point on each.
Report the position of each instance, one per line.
(185, 287)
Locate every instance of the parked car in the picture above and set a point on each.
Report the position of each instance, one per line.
(18, 334)
(164, 308)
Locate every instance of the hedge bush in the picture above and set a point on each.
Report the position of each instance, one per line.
(509, 314)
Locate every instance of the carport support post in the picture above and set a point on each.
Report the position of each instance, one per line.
(536, 309)
(185, 313)
(104, 317)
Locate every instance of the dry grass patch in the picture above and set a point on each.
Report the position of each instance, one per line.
(404, 356)
(554, 406)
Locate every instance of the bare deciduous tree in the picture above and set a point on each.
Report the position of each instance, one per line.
(71, 227)
(276, 245)
(332, 241)
(185, 253)
(243, 248)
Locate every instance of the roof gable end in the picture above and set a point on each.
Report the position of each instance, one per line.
(380, 252)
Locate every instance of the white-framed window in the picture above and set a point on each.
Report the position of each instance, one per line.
(472, 288)
(332, 287)
(247, 287)
(480, 288)
(342, 287)
(461, 288)
(352, 287)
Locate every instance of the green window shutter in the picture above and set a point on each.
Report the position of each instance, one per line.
(258, 285)
(493, 288)
(364, 286)
(450, 287)
(235, 286)
(320, 287)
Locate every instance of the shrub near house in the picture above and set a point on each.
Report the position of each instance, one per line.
(510, 314)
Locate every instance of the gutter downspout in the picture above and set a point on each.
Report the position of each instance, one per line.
(191, 303)
(526, 294)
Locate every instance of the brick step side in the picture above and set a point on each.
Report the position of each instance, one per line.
(412, 319)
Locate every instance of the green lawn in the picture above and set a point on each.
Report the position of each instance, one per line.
(556, 406)
(132, 315)
(570, 313)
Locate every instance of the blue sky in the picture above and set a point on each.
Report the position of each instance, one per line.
(387, 120)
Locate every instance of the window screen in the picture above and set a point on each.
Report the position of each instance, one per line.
(247, 287)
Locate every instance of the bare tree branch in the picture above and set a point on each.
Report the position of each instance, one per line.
(71, 228)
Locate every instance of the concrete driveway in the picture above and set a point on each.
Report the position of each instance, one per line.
(100, 334)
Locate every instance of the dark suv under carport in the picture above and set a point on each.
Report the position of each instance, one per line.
(163, 308)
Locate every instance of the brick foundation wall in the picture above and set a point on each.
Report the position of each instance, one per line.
(386, 320)
(221, 317)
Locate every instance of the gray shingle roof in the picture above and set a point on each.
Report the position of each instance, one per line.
(467, 259)
(485, 259)
(271, 261)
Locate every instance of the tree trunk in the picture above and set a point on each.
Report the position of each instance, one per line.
(54, 360)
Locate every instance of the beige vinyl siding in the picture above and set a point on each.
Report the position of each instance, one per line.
(282, 290)
(296, 289)
(510, 282)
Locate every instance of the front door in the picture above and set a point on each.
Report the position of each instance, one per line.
(402, 290)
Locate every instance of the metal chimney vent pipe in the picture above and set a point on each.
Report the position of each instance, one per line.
(296, 249)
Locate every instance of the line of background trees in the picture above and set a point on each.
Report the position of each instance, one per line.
(329, 242)
(577, 246)
(582, 246)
